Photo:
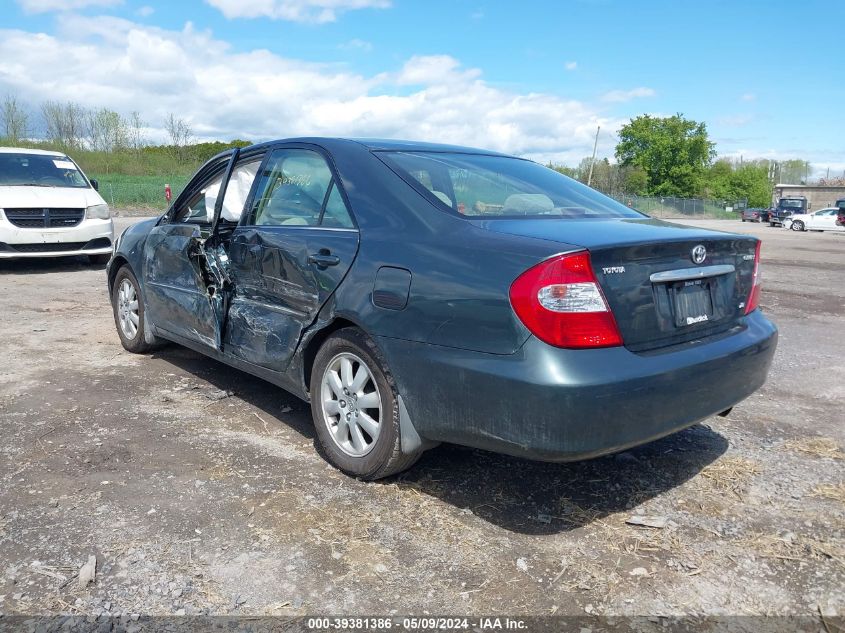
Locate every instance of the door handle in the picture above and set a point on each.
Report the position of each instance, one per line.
(323, 259)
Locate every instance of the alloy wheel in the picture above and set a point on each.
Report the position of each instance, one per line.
(351, 404)
(127, 309)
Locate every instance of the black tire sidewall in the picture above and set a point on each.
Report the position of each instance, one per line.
(366, 467)
(137, 344)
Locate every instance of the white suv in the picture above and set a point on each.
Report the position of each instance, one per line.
(49, 208)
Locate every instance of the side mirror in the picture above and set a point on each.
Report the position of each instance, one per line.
(95, 184)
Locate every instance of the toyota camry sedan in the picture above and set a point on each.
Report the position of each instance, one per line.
(416, 294)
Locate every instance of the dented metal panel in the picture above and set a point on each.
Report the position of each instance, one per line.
(178, 298)
(280, 289)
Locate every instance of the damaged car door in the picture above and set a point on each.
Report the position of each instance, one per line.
(291, 251)
(185, 259)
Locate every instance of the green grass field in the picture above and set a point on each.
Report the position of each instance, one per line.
(138, 192)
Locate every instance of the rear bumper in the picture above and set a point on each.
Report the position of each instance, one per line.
(562, 405)
(89, 237)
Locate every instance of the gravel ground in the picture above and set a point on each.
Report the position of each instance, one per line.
(197, 488)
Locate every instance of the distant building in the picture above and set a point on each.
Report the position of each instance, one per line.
(818, 197)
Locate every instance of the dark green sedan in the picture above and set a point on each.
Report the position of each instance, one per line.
(416, 294)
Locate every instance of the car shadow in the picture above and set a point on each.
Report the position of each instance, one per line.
(538, 498)
(47, 265)
(270, 399)
(515, 494)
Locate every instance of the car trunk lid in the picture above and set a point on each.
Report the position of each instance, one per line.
(659, 288)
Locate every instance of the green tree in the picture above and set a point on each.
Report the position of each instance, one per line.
(731, 182)
(636, 181)
(674, 153)
(563, 169)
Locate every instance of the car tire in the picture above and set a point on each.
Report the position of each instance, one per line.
(99, 260)
(127, 307)
(797, 226)
(743, 219)
(344, 424)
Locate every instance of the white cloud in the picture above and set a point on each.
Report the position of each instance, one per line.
(115, 63)
(316, 11)
(571, 65)
(620, 96)
(43, 6)
(145, 11)
(748, 96)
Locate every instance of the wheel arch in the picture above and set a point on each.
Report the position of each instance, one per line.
(315, 342)
(117, 262)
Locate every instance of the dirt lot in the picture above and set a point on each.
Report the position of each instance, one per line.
(198, 488)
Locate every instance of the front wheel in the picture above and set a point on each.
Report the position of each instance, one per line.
(354, 404)
(797, 226)
(128, 309)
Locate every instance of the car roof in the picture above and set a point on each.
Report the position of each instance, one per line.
(382, 144)
(26, 150)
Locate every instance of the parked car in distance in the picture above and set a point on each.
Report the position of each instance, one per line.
(49, 208)
(418, 293)
(821, 220)
(840, 216)
(754, 215)
(786, 208)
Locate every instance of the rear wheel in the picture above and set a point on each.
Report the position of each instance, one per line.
(128, 309)
(355, 407)
(798, 225)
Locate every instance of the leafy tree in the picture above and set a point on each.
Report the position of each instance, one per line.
(793, 172)
(636, 181)
(563, 169)
(749, 181)
(674, 153)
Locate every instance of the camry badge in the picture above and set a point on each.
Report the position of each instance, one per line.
(699, 254)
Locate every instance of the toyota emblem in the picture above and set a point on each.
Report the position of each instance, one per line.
(699, 254)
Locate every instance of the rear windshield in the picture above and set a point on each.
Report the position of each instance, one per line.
(497, 186)
(39, 170)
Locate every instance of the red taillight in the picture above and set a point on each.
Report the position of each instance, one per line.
(754, 295)
(560, 302)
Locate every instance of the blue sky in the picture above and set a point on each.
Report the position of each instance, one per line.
(534, 77)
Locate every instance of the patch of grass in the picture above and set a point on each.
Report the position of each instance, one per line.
(815, 446)
(794, 548)
(731, 474)
(123, 191)
(834, 492)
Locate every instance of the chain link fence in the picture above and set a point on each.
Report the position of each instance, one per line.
(684, 208)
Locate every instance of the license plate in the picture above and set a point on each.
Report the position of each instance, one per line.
(693, 302)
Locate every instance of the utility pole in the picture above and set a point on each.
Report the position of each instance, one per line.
(593, 161)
